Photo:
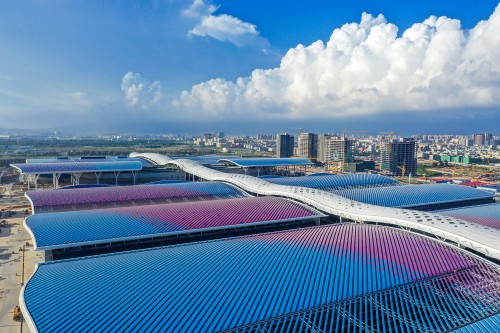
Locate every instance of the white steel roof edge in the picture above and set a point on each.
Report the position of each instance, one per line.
(24, 308)
(477, 237)
(30, 232)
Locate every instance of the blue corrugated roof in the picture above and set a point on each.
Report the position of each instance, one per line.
(487, 325)
(119, 196)
(65, 159)
(266, 162)
(488, 215)
(68, 229)
(72, 187)
(207, 159)
(334, 182)
(74, 167)
(414, 195)
(52, 160)
(271, 176)
(217, 285)
(436, 304)
(86, 159)
(166, 181)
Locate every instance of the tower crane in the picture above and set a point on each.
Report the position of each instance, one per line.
(402, 170)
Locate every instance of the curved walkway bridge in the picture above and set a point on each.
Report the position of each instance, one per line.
(465, 234)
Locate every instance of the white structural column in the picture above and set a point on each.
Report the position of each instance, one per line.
(97, 177)
(117, 174)
(33, 179)
(75, 178)
(55, 179)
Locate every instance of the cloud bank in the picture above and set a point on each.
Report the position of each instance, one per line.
(364, 68)
(225, 28)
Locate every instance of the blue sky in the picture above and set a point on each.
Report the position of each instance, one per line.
(187, 66)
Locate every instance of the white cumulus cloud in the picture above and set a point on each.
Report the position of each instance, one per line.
(199, 9)
(366, 68)
(140, 93)
(221, 27)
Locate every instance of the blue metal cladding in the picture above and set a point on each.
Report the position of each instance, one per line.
(435, 304)
(414, 195)
(336, 182)
(487, 325)
(207, 159)
(72, 187)
(51, 160)
(46, 201)
(65, 229)
(82, 159)
(73, 167)
(271, 176)
(267, 162)
(166, 181)
(224, 284)
(488, 215)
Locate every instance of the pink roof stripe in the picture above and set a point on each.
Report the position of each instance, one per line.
(381, 247)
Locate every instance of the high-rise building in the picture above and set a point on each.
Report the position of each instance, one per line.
(308, 145)
(396, 154)
(284, 145)
(484, 139)
(324, 147)
(333, 148)
(478, 139)
(488, 139)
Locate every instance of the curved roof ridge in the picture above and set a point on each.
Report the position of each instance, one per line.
(471, 235)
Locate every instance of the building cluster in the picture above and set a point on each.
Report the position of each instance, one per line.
(218, 140)
(324, 148)
(261, 143)
(476, 148)
(397, 156)
(340, 153)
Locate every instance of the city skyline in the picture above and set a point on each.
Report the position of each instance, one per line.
(191, 66)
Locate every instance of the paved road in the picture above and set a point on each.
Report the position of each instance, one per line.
(12, 239)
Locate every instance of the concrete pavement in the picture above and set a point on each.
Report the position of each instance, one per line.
(12, 238)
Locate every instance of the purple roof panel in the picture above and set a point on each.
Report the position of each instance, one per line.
(119, 196)
(59, 230)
